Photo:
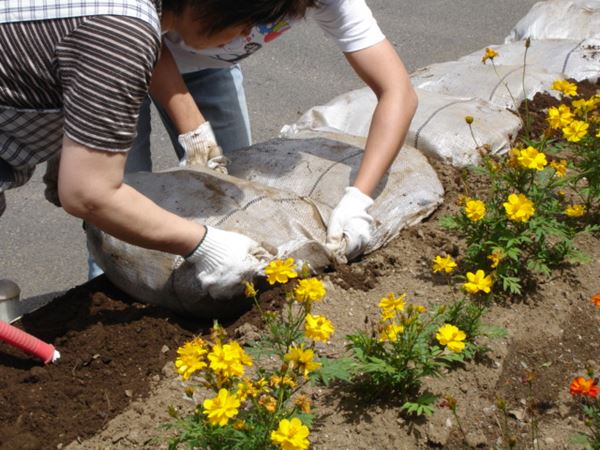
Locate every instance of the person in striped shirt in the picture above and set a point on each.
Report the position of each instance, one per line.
(73, 75)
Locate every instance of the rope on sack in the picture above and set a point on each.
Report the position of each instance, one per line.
(328, 169)
(564, 67)
(435, 113)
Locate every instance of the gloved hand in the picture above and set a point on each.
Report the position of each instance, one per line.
(201, 149)
(224, 259)
(350, 224)
(50, 179)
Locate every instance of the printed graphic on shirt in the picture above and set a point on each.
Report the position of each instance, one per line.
(242, 47)
(273, 31)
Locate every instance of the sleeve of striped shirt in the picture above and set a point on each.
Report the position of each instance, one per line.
(105, 66)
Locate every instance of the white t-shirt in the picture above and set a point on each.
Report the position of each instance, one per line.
(350, 23)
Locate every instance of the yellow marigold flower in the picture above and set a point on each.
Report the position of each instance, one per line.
(221, 408)
(191, 357)
(246, 389)
(518, 208)
(318, 328)
(560, 167)
(495, 258)
(262, 384)
(567, 88)
(490, 54)
(309, 290)
(598, 133)
(474, 210)
(420, 309)
(277, 380)
(478, 281)
(443, 264)
(303, 402)
(249, 290)
(229, 360)
(302, 360)
(291, 435)
(268, 402)
(279, 271)
(391, 302)
(559, 117)
(239, 424)
(531, 158)
(451, 337)
(575, 210)
(513, 154)
(390, 332)
(390, 306)
(575, 131)
(582, 106)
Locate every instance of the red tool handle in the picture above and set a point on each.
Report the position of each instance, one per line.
(28, 343)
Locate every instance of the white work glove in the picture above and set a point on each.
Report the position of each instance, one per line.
(201, 149)
(224, 259)
(350, 224)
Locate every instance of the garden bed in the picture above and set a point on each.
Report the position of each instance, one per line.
(116, 379)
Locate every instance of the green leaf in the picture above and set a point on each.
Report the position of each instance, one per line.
(511, 284)
(335, 369)
(422, 406)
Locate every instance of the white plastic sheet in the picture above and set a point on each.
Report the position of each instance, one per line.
(438, 128)
(559, 19)
(503, 86)
(577, 59)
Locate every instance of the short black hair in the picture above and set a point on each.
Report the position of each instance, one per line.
(217, 15)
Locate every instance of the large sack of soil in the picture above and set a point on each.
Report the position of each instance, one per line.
(577, 59)
(438, 128)
(281, 194)
(502, 86)
(559, 19)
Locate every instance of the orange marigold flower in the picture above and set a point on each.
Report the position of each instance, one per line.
(596, 300)
(583, 386)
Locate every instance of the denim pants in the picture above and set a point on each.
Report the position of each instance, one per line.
(220, 96)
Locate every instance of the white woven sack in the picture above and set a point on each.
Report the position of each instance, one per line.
(504, 88)
(577, 59)
(284, 204)
(559, 19)
(438, 128)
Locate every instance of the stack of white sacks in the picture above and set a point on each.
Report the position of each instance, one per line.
(281, 193)
(565, 43)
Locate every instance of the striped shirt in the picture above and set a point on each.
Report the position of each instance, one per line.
(95, 70)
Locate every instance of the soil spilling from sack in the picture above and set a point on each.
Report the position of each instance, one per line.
(114, 349)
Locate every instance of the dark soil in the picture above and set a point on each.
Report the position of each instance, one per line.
(112, 349)
(537, 107)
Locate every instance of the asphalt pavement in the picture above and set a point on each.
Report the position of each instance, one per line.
(43, 249)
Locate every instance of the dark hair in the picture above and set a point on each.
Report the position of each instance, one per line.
(217, 15)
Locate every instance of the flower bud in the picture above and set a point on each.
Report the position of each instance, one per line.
(469, 119)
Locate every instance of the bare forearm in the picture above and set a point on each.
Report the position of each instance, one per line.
(91, 187)
(382, 70)
(169, 89)
(389, 127)
(134, 218)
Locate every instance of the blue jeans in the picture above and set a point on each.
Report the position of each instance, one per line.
(220, 96)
